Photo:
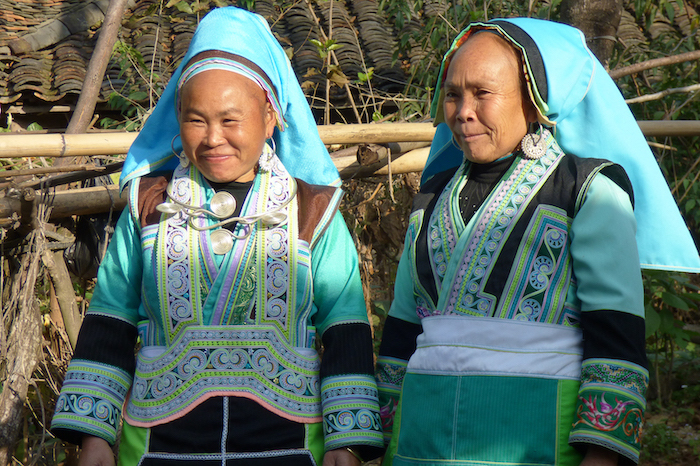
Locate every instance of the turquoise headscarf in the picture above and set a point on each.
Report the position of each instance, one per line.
(577, 98)
(248, 35)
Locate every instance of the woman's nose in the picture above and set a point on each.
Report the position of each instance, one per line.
(467, 109)
(214, 136)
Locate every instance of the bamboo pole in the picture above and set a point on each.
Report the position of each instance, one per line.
(88, 201)
(71, 145)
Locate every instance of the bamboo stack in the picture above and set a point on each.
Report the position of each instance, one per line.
(394, 158)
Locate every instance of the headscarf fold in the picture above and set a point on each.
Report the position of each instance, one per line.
(246, 35)
(590, 118)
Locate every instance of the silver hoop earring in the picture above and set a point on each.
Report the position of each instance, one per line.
(184, 161)
(534, 144)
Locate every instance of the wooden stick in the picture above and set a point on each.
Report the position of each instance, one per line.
(100, 199)
(71, 145)
(45, 170)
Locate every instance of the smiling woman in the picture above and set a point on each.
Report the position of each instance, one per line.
(485, 106)
(224, 122)
(230, 262)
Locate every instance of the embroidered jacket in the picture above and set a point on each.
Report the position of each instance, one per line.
(242, 323)
(552, 243)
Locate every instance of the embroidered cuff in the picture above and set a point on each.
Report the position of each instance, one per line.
(350, 412)
(91, 399)
(610, 408)
(390, 374)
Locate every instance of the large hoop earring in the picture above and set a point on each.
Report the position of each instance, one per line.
(184, 161)
(534, 144)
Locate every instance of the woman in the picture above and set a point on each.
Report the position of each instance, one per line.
(230, 261)
(520, 277)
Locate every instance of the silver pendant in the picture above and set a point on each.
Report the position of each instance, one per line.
(222, 204)
(221, 241)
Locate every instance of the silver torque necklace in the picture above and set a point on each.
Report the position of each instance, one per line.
(222, 206)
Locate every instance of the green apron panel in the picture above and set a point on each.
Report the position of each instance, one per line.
(485, 420)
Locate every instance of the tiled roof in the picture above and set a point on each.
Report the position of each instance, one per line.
(45, 46)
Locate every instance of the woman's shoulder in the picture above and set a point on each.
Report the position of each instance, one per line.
(317, 204)
(146, 193)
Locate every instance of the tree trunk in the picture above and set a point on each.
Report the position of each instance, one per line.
(94, 75)
(22, 317)
(598, 19)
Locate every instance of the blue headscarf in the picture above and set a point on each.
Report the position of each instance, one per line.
(575, 96)
(248, 35)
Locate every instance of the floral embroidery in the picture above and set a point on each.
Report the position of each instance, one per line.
(390, 374)
(610, 409)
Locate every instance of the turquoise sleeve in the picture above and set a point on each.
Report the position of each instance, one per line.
(404, 304)
(337, 288)
(118, 290)
(604, 251)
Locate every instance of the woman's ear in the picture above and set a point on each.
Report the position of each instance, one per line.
(270, 118)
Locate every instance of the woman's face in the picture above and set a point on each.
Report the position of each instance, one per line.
(484, 104)
(224, 121)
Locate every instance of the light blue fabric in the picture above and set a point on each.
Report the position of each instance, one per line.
(240, 32)
(592, 120)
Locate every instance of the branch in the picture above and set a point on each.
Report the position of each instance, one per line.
(662, 94)
(656, 62)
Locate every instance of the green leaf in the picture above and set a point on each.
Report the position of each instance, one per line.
(138, 96)
(34, 127)
(670, 12)
(651, 320)
(184, 7)
(674, 300)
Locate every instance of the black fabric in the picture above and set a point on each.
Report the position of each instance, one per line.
(108, 341)
(300, 459)
(251, 428)
(239, 191)
(399, 338)
(482, 179)
(347, 349)
(614, 335)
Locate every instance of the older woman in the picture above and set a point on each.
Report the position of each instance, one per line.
(230, 261)
(516, 335)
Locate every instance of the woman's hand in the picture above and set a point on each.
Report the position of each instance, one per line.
(95, 451)
(599, 456)
(340, 457)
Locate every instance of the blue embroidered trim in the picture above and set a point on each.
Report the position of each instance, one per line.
(226, 360)
(350, 412)
(91, 399)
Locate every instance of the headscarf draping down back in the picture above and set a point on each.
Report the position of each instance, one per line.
(590, 119)
(248, 35)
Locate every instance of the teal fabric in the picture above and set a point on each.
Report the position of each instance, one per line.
(607, 273)
(468, 420)
(240, 32)
(591, 119)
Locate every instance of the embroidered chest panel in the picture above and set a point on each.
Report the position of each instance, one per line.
(463, 258)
